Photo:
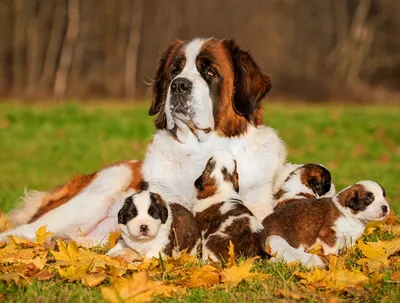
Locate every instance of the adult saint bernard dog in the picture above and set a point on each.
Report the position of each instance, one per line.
(207, 97)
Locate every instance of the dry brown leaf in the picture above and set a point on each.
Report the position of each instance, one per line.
(288, 294)
(395, 277)
(44, 275)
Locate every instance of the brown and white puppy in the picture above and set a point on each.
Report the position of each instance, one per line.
(334, 222)
(305, 182)
(150, 226)
(222, 216)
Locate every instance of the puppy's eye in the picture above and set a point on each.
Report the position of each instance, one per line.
(175, 70)
(210, 73)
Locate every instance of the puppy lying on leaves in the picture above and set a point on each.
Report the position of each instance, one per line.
(151, 226)
(304, 220)
(222, 216)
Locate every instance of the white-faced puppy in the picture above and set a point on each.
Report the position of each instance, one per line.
(222, 216)
(335, 222)
(305, 182)
(150, 226)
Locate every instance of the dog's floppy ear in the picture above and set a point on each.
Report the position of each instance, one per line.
(250, 84)
(124, 211)
(353, 201)
(160, 85)
(162, 207)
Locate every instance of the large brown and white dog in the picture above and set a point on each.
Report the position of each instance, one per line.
(207, 97)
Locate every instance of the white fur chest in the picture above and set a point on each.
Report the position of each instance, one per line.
(259, 154)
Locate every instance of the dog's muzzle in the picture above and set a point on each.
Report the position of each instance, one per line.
(181, 89)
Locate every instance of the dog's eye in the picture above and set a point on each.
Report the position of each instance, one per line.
(175, 70)
(210, 73)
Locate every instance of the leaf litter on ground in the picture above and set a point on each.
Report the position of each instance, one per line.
(22, 261)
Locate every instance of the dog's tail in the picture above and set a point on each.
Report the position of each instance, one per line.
(29, 205)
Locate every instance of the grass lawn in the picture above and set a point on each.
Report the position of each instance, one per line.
(42, 146)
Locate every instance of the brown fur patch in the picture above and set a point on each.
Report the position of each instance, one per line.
(73, 187)
(246, 243)
(184, 233)
(302, 222)
(63, 194)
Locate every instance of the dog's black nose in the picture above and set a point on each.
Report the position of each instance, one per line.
(143, 228)
(384, 209)
(181, 86)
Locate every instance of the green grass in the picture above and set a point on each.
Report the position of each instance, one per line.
(44, 145)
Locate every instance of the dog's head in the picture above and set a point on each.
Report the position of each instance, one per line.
(142, 215)
(365, 200)
(316, 177)
(208, 85)
(220, 171)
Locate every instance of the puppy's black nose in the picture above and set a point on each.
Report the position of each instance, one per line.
(384, 209)
(181, 86)
(143, 228)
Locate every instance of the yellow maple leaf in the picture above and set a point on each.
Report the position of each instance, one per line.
(370, 251)
(42, 234)
(205, 276)
(113, 238)
(137, 288)
(4, 223)
(237, 273)
(68, 253)
(344, 278)
(231, 259)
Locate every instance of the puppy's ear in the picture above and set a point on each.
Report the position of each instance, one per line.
(353, 201)
(124, 211)
(250, 84)
(160, 85)
(163, 210)
(199, 183)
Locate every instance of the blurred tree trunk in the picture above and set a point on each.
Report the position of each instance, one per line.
(53, 47)
(37, 31)
(132, 49)
(5, 50)
(19, 46)
(67, 52)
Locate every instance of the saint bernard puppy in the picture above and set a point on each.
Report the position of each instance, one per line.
(221, 215)
(307, 181)
(301, 220)
(207, 96)
(150, 226)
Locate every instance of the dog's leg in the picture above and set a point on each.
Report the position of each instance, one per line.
(282, 250)
(83, 212)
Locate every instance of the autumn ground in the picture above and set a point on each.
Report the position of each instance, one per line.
(42, 146)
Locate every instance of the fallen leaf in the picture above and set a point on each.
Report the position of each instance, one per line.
(395, 277)
(231, 259)
(44, 275)
(138, 288)
(42, 235)
(288, 294)
(113, 238)
(94, 279)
